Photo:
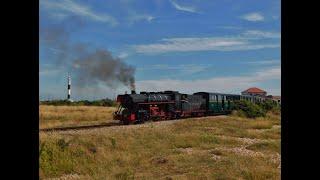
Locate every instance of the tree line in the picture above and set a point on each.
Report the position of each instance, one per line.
(101, 102)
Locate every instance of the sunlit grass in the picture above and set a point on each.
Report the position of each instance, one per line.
(198, 148)
(56, 116)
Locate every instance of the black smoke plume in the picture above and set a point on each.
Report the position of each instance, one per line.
(88, 66)
(101, 66)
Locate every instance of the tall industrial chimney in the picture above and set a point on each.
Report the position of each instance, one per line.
(69, 88)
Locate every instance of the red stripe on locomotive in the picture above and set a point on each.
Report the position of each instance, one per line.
(132, 117)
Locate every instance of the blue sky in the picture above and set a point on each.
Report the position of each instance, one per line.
(190, 45)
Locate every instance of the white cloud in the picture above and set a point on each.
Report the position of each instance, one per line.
(268, 74)
(59, 15)
(61, 9)
(248, 40)
(262, 34)
(56, 51)
(188, 44)
(266, 62)
(123, 55)
(183, 8)
(180, 70)
(49, 72)
(231, 84)
(231, 27)
(253, 17)
(133, 18)
(99, 91)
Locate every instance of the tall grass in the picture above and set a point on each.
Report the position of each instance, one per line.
(199, 148)
(56, 116)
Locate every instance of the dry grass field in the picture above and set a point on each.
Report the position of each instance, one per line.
(224, 147)
(60, 116)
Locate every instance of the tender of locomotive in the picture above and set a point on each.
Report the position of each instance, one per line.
(137, 108)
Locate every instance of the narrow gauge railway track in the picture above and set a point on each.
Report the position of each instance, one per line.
(112, 124)
(80, 127)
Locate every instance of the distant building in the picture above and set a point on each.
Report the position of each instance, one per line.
(275, 98)
(254, 92)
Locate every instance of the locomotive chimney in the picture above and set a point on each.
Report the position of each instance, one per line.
(133, 92)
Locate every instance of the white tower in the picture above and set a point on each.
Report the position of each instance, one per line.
(69, 88)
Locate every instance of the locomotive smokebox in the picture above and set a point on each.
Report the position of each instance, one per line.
(133, 92)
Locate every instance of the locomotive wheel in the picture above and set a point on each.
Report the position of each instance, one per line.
(141, 121)
(126, 122)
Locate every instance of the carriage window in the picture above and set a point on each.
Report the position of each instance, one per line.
(213, 97)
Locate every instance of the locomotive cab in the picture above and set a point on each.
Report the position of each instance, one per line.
(123, 112)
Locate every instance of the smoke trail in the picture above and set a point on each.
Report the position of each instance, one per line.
(89, 67)
(101, 66)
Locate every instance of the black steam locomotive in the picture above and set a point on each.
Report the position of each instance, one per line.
(137, 108)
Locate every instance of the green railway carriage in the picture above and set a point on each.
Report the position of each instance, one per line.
(218, 103)
(231, 98)
(214, 103)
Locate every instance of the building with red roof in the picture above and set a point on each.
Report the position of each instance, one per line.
(254, 92)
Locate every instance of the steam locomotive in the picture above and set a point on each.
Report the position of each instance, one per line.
(138, 108)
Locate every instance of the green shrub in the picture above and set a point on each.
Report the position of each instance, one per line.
(250, 109)
(269, 105)
(276, 110)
